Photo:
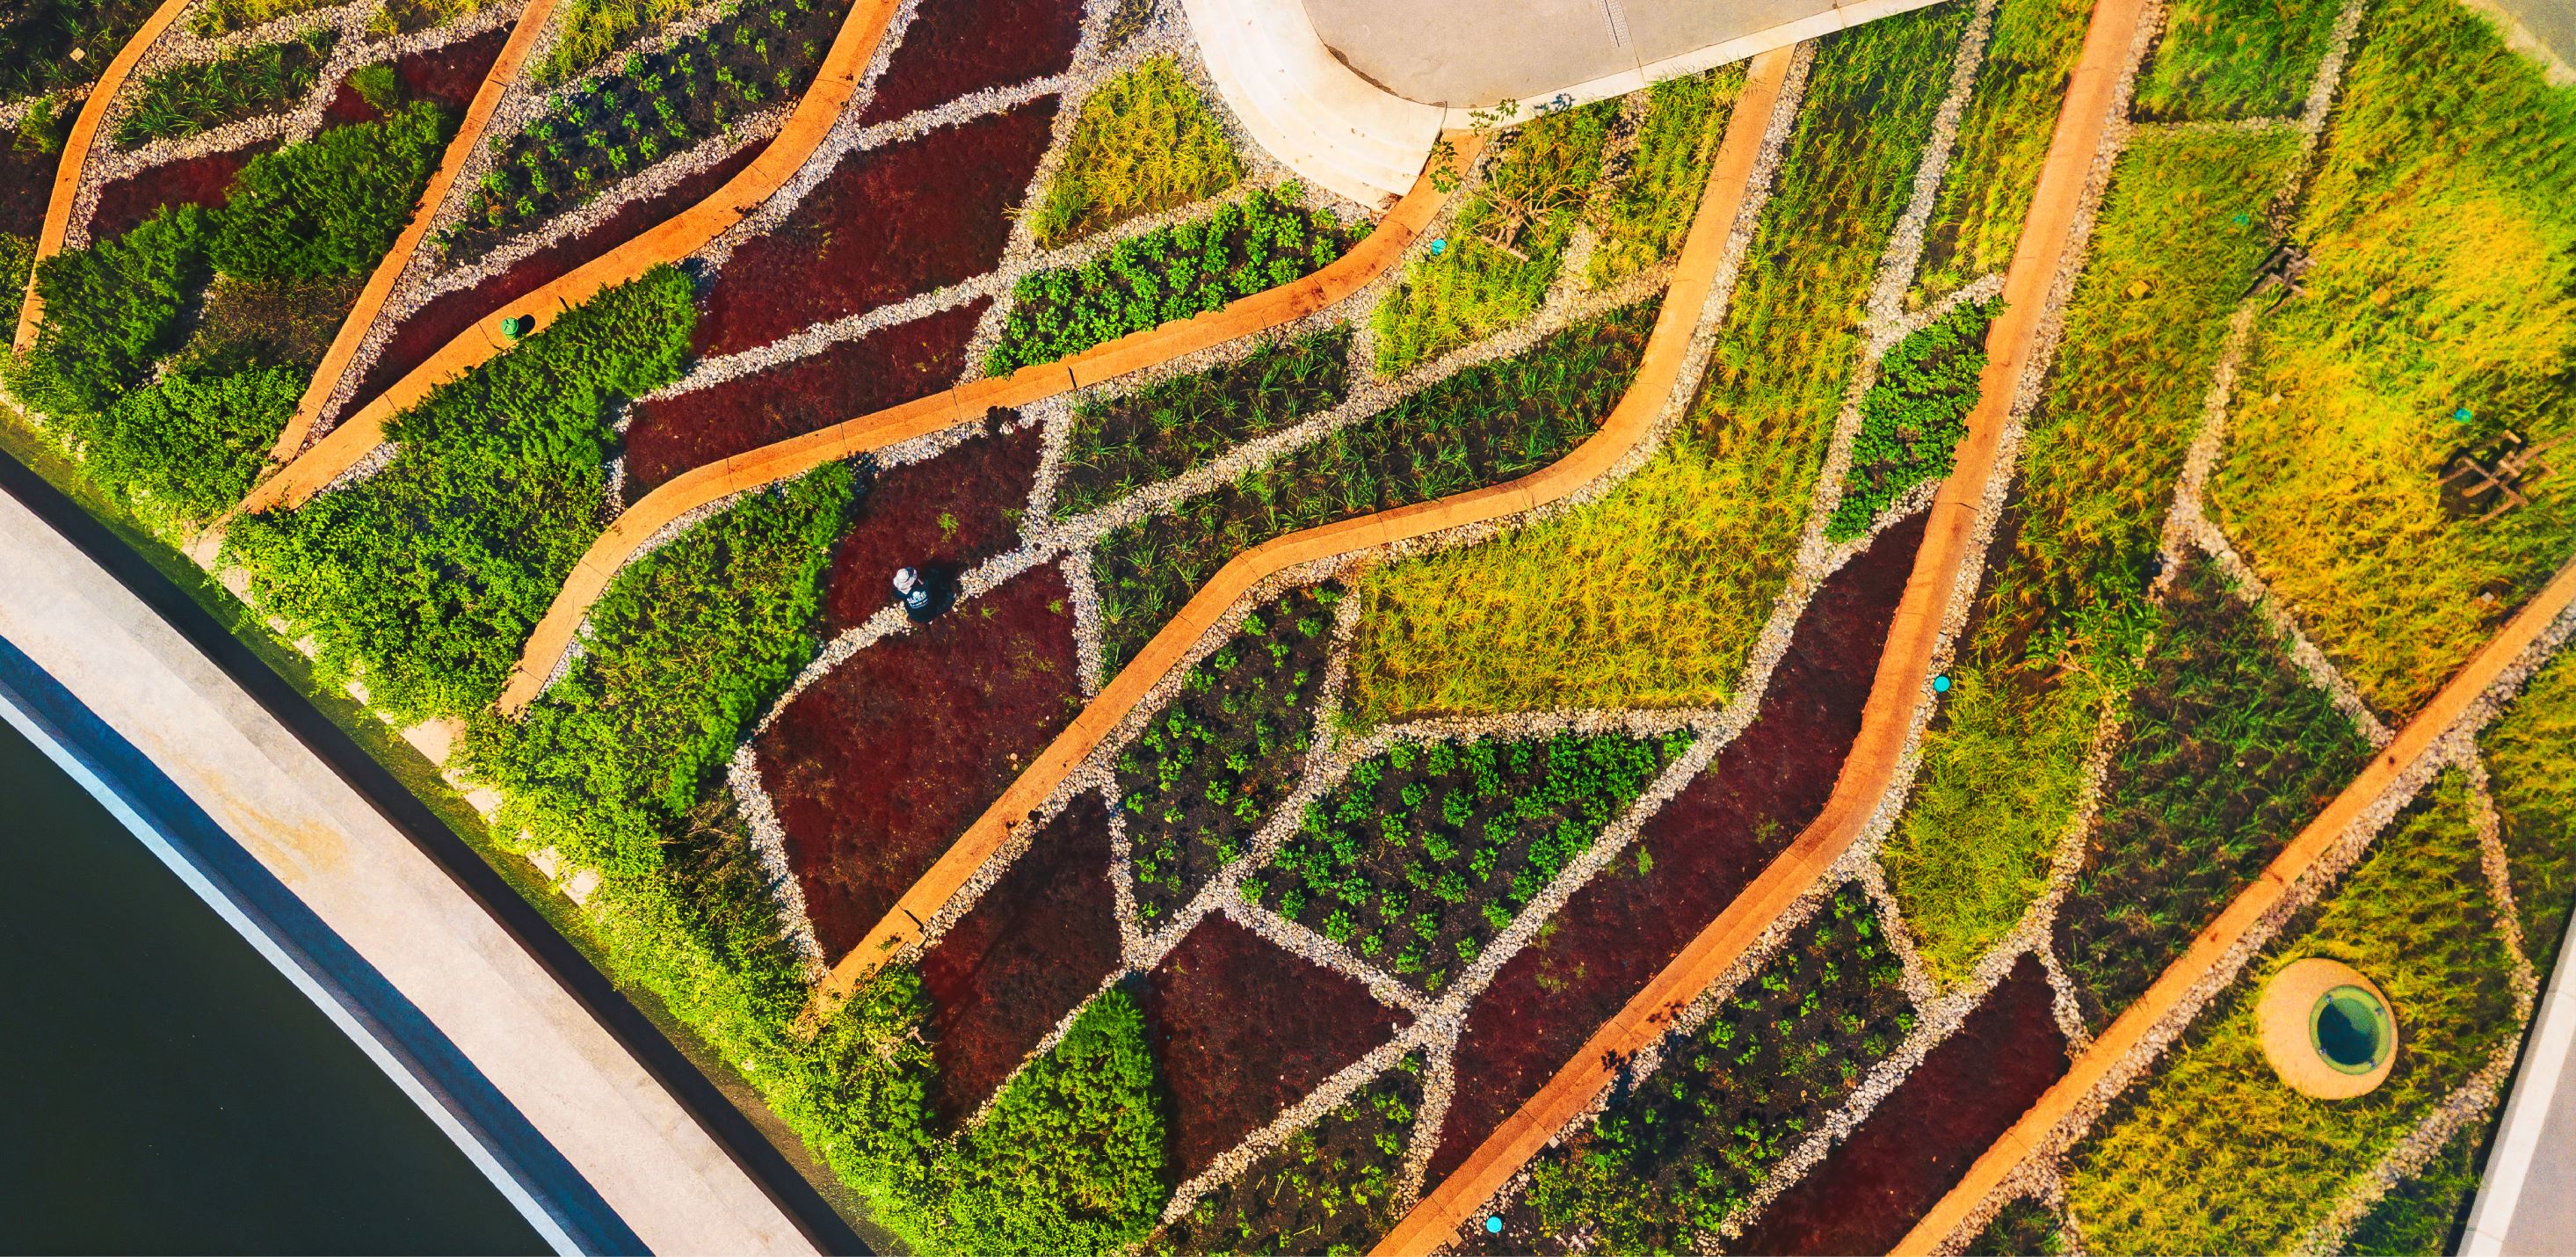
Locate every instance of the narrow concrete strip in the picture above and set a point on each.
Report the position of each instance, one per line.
(2173, 989)
(376, 894)
(1628, 425)
(2537, 1140)
(532, 22)
(76, 150)
(2047, 246)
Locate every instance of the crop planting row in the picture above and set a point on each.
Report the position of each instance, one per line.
(2003, 138)
(1145, 143)
(1913, 416)
(200, 96)
(1331, 1188)
(2232, 59)
(1648, 200)
(1122, 444)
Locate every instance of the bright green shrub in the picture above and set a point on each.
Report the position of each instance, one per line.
(331, 206)
(2003, 138)
(1145, 143)
(1913, 418)
(183, 449)
(111, 310)
(426, 577)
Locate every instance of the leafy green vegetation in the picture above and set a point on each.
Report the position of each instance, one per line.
(2531, 761)
(2234, 59)
(1119, 446)
(425, 578)
(1208, 770)
(2425, 1213)
(1145, 143)
(1647, 208)
(1424, 854)
(1914, 416)
(2003, 138)
(2227, 752)
(202, 95)
(1265, 240)
(1482, 426)
(222, 17)
(1331, 1188)
(589, 30)
(1502, 250)
(2057, 633)
(37, 40)
(1665, 1165)
(2214, 1153)
(112, 309)
(331, 206)
(183, 449)
(1655, 595)
(2443, 227)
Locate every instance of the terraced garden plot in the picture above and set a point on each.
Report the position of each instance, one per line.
(1331, 1188)
(37, 41)
(2003, 137)
(953, 50)
(2527, 754)
(2230, 59)
(200, 96)
(945, 515)
(1644, 206)
(1121, 445)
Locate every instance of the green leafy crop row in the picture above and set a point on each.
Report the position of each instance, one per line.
(201, 95)
(1124, 444)
(1331, 1188)
(1913, 418)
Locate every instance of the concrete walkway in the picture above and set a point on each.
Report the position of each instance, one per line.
(490, 1041)
(2544, 30)
(2526, 1203)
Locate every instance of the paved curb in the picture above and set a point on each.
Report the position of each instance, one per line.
(2526, 1118)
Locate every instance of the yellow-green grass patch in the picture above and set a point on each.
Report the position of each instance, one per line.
(2531, 767)
(2235, 58)
(2003, 138)
(1146, 142)
(1642, 216)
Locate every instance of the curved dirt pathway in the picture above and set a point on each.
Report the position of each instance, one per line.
(2209, 950)
(1949, 551)
(1630, 423)
(669, 241)
(76, 149)
(497, 82)
(1371, 257)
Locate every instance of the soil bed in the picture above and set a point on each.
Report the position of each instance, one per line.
(1701, 851)
(1330, 1189)
(884, 225)
(449, 75)
(877, 767)
(857, 377)
(207, 181)
(961, 46)
(942, 515)
(1245, 1029)
(1920, 1139)
(26, 184)
(1032, 949)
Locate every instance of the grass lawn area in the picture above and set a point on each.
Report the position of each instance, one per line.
(2003, 137)
(2234, 59)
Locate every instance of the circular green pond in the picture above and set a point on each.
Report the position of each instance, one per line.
(2351, 1030)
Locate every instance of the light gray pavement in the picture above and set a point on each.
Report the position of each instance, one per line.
(2526, 1202)
(2545, 29)
(555, 1070)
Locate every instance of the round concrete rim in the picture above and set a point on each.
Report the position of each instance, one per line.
(2286, 1018)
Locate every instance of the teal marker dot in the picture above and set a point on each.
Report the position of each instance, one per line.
(1941, 684)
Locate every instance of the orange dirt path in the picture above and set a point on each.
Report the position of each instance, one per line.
(669, 241)
(1949, 551)
(1383, 248)
(76, 148)
(532, 22)
(2209, 950)
(1630, 423)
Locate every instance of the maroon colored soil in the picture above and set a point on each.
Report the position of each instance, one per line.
(1244, 1029)
(1032, 949)
(886, 367)
(1918, 1142)
(876, 768)
(1706, 846)
(943, 515)
(26, 183)
(884, 225)
(448, 75)
(207, 181)
(438, 322)
(960, 46)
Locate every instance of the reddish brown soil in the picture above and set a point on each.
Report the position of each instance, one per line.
(206, 181)
(1244, 1029)
(883, 226)
(448, 75)
(960, 46)
(26, 183)
(880, 765)
(943, 515)
(438, 322)
(1030, 951)
(1919, 1141)
(884, 368)
(1706, 846)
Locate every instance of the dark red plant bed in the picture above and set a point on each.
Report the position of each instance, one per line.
(26, 184)
(1245, 1029)
(1920, 1140)
(883, 226)
(958, 46)
(887, 367)
(207, 181)
(438, 322)
(876, 768)
(1031, 950)
(943, 515)
(1703, 849)
(449, 75)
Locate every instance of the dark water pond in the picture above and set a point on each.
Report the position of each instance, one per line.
(166, 1090)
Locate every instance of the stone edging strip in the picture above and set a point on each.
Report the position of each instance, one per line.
(76, 152)
(835, 82)
(1950, 546)
(1383, 248)
(2212, 946)
(532, 23)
